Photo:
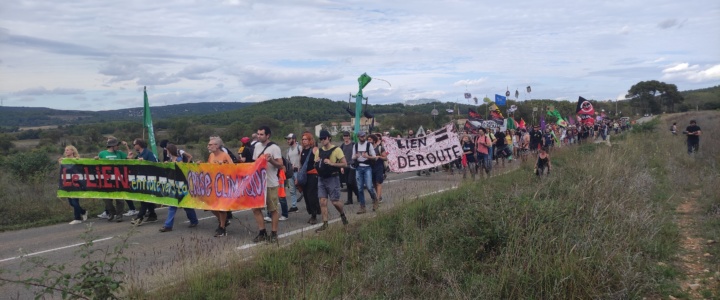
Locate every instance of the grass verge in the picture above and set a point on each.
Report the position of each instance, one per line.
(599, 227)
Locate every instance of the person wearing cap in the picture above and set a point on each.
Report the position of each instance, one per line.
(693, 133)
(328, 161)
(348, 172)
(293, 156)
(364, 154)
(246, 150)
(114, 212)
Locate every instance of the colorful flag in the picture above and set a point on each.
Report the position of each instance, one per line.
(555, 113)
(147, 123)
(585, 111)
(500, 100)
(495, 112)
(542, 123)
(510, 123)
(521, 124)
(472, 114)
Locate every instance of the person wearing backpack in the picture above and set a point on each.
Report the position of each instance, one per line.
(348, 172)
(328, 161)
(363, 155)
(310, 187)
(293, 156)
(273, 154)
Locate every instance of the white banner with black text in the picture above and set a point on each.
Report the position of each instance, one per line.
(412, 154)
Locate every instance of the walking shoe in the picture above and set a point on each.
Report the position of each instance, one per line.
(268, 219)
(362, 210)
(103, 215)
(322, 228)
(227, 223)
(165, 229)
(75, 222)
(283, 218)
(137, 221)
(293, 209)
(193, 225)
(220, 232)
(348, 202)
(273, 238)
(84, 216)
(130, 213)
(381, 199)
(260, 237)
(312, 221)
(151, 219)
(344, 220)
(118, 218)
(110, 218)
(376, 204)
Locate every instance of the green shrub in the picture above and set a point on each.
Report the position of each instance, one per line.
(29, 165)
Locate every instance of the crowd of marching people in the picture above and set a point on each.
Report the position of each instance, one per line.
(315, 170)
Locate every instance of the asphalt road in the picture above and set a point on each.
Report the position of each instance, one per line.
(154, 253)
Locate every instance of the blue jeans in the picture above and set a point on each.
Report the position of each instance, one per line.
(191, 215)
(363, 176)
(490, 153)
(293, 193)
(485, 162)
(77, 210)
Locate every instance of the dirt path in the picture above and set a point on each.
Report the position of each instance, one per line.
(693, 259)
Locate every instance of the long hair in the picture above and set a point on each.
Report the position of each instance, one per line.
(74, 151)
(309, 137)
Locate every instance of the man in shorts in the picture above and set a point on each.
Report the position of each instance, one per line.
(328, 162)
(273, 154)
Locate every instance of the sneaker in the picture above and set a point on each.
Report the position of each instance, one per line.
(130, 213)
(75, 222)
(137, 221)
(344, 220)
(283, 218)
(268, 219)
(322, 228)
(193, 225)
(151, 219)
(110, 218)
(103, 215)
(84, 216)
(118, 218)
(381, 199)
(376, 205)
(272, 239)
(260, 237)
(348, 203)
(227, 223)
(312, 221)
(220, 232)
(165, 229)
(293, 209)
(361, 211)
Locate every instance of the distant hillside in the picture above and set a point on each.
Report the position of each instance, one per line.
(40, 116)
(708, 98)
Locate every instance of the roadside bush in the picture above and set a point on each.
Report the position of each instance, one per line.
(29, 165)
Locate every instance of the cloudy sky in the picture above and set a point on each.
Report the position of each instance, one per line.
(97, 55)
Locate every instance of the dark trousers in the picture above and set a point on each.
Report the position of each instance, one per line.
(693, 147)
(144, 208)
(114, 210)
(349, 175)
(77, 210)
(310, 192)
(130, 204)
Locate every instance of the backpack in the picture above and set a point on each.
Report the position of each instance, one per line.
(232, 156)
(288, 168)
(326, 170)
(248, 152)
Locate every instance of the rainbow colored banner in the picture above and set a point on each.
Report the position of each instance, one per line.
(200, 186)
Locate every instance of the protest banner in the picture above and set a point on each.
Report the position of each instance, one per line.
(200, 186)
(413, 154)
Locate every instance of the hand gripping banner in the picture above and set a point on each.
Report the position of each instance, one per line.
(413, 154)
(201, 186)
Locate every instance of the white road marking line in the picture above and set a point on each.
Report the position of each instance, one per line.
(51, 250)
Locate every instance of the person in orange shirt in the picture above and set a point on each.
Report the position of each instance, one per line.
(282, 197)
(218, 156)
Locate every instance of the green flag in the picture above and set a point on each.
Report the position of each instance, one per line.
(511, 123)
(147, 123)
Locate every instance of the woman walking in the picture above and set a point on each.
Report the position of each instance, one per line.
(79, 212)
(310, 189)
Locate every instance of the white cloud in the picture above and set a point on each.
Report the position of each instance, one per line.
(470, 82)
(39, 91)
(692, 73)
(260, 50)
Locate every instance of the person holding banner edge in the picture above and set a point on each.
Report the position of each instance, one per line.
(218, 156)
(273, 154)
